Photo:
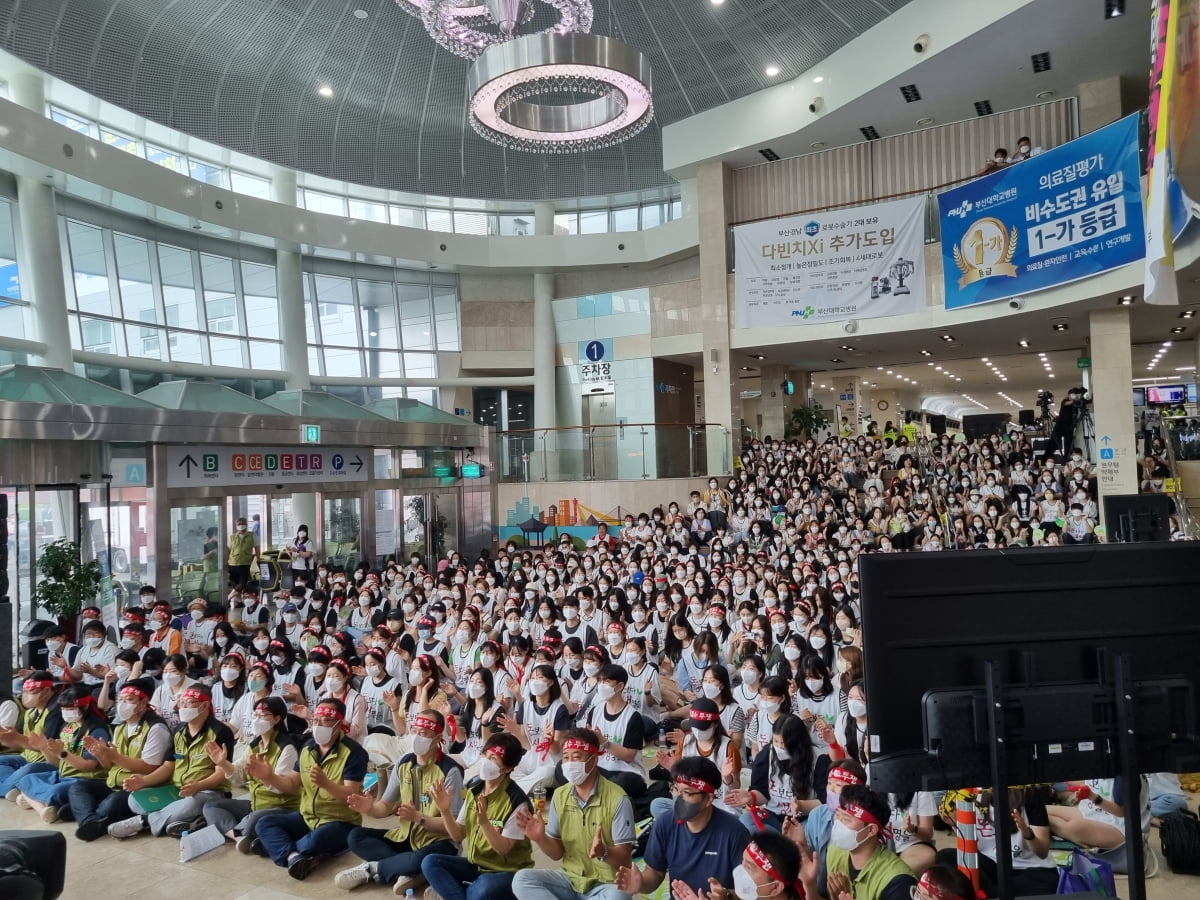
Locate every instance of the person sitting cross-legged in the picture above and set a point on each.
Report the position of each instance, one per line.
(495, 847)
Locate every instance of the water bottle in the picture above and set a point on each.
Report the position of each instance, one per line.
(539, 798)
(662, 736)
(408, 894)
(182, 846)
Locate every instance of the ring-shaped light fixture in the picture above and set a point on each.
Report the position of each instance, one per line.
(507, 79)
(469, 36)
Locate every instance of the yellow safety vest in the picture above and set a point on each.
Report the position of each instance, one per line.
(577, 828)
(33, 721)
(261, 795)
(416, 787)
(316, 805)
(72, 735)
(130, 743)
(500, 806)
(191, 756)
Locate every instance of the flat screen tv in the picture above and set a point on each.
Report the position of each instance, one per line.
(1166, 393)
(1139, 396)
(1191, 392)
(1048, 616)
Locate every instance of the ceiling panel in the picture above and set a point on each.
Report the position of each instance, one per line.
(244, 75)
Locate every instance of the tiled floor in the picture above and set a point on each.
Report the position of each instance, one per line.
(148, 868)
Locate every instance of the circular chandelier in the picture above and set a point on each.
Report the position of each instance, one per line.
(510, 83)
(466, 28)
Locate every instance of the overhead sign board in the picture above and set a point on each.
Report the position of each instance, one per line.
(189, 466)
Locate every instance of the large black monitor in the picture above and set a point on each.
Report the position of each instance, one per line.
(1056, 621)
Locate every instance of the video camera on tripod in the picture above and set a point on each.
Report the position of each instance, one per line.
(1045, 400)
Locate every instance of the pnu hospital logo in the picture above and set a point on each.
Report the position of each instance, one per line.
(962, 209)
(812, 229)
(805, 313)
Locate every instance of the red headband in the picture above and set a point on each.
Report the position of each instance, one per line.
(133, 690)
(31, 685)
(837, 773)
(580, 744)
(696, 784)
(195, 694)
(496, 751)
(763, 862)
(701, 716)
(926, 884)
(864, 815)
(426, 723)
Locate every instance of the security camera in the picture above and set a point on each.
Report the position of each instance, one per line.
(1016, 303)
(921, 44)
(816, 104)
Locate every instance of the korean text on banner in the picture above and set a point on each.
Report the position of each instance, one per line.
(1066, 214)
(858, 263)
(1160, 286)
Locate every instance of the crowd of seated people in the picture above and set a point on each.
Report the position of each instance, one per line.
(697, 666)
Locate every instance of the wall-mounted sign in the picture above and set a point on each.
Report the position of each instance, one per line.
(188, 466)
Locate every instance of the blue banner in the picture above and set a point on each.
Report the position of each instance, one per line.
(1069, 213)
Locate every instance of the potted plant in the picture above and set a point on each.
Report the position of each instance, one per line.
(806, 421)
(66, 583)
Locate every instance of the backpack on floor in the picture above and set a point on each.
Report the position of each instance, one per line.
(1180, 836)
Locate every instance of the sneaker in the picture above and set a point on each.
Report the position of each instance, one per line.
(12, 795)
(92, 829)
(301, 866)
(176, 829)
(127, 828)
(23, 802)
(404, 882)
(357, 876)
(245, 844)
(49, 815)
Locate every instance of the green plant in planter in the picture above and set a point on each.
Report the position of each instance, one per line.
(806, 421)
(66, 583)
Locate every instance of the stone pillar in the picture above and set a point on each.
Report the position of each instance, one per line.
(289, 286)
(722, 400)
(1115, 452)
(1101, 103)
(775, 404)
(849, 388)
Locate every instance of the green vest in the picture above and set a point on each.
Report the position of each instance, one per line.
(416, 783)
(881, 868)
(500, 805)
(72, 735)
(316, 805)
(577, 828)
(130, 744)
(33, 721)
(241, 548)
(261, 795)
(191, 756)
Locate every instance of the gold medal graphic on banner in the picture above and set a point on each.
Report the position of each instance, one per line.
(985, 251)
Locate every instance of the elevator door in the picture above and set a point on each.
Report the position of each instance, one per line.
(599, 414)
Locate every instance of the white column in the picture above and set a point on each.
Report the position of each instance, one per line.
(1115, 453)
(289, 285)
(28, 89)
(544, 414)
(41, 270)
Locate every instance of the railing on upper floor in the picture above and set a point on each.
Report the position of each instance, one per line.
(623, 452)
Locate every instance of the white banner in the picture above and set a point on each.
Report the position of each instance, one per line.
(225, 466)
(858, 263)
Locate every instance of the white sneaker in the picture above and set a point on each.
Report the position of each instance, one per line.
(12, 795)
(357, 876)
(127, 828)
(408, 881)
(431, 894)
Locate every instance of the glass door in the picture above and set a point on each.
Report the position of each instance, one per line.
(195, 571)
(444, 524)
(415, 527)
(342, 524)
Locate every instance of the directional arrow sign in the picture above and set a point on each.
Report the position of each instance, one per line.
(1106, 440)
(224, 465)
(188, 461)
(358, 463)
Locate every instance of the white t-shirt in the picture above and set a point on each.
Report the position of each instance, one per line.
(922, 804)
(104, 655)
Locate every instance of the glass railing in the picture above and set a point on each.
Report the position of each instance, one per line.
(628, 452)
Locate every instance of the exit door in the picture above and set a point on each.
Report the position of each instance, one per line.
(599, 415)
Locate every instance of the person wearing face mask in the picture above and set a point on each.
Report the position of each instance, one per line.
(780, 780)
(393, 856)
(159, 632)
(494, 845)
(193, 775)
(301, 558)
(694, 842)
(243, 547)
(290, 626)
(477, 718)
(331, 769)
(859, 860)
(589, 828)
(538, 723)
(771, 867)
(621, 731)
(28, 734)
(174, 683)
(774, 702)
(228, 687)
(139, 747)
(376, 683)
(337, 685)
(260, 679)
(251, 614)
(95, 657)
(705, 738)
(271, 776)
(60, 652)
(1079, 529)
(820, 820)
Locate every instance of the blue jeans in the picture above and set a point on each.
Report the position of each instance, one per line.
(396, 858)
(288, 833)
(1167, 804)
(47, 787)
(455, 878)
(91, 799)
(15, 767)
(553, 884)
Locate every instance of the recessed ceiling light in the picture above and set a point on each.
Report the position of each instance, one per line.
(1178, 329)
(1061, 326)
(717, 2)
(837, 360)
(757, 356)
(947, 338)
(1114, 8)
(747, 369)
(325, 90)
(847, 347)
(983, 359)
(1022, 343)
(1187, 314)
(1127, 300)
(818, 79)
(1045, 95)
(817, 145)
(772, 71)
(926, 353)
(924, 120)
(360, 14)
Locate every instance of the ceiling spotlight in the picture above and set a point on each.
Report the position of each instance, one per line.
(926, 353)
(1187, 314)
(983, 359)
(1178, 329)
(846, 347)
(360, 14)
(1061, 326)
(1127, 300)
(947, 338)
(717, 2)
(757, 356)
(1114, 8)
(772, 71)
(325, 90)
(1022, 343)
(818, 79)
(837, 360)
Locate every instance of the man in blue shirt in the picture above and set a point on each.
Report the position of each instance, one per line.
(698, 844)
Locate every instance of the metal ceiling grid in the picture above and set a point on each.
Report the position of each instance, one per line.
(245, 75)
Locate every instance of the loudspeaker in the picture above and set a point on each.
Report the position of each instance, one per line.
(1025, 418)
(937, 424)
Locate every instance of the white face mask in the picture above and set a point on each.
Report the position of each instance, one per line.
(856, 708)
(711, 691)
(791, 653)
(615, 638)
(814, 685)
(189, 713)
(591, 669)
(229, 673)
(196, 614)
(261, 726)
(323, 734)
(172, 677)
(93, 642)
(126, 711)
(817, 642)
(770, 706)
(335, 685)
(750, 676)
(475, 691)
(71, 715)
(487, 660)
(538, 686)
(844, 837)
(576, 773)
(415, 677)
(744, 885)
(127, 643)
(605, 692)
(489, 769)
(421, 744)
